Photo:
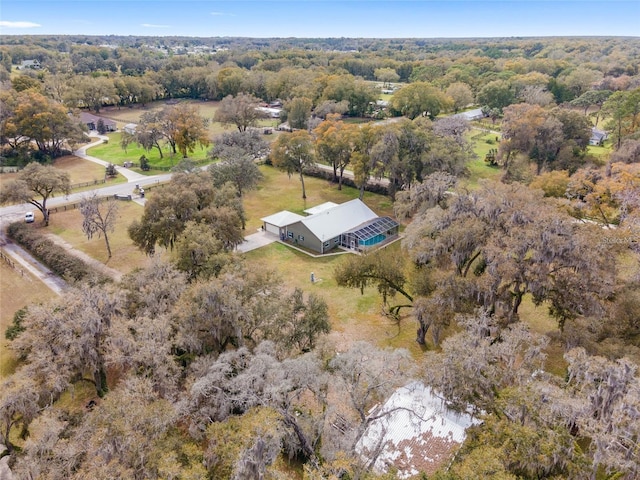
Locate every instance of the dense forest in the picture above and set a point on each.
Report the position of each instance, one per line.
(205, 367)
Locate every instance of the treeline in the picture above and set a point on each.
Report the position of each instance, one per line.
(215, 68)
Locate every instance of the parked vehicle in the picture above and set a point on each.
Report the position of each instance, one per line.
(29, 217)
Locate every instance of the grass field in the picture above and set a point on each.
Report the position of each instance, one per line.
(482, 143)
(264, 201)
(17, 290)
(207, 110)
(353, 316)
(114, 153)
(79, 170)
(126, 256)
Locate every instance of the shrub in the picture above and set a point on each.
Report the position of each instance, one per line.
(59, 260)
(16, 327)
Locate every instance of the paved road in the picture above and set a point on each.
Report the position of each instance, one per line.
(15, 213)
(81, 152)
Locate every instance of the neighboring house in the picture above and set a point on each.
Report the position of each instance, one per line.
(130, 128)
(597, 137)
(91, 121)
(32, 64)
(419, 434)
(471, 115)
(270, 112)
(350, 225)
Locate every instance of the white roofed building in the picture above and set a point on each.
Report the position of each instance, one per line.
(351, 225)
(419, 434)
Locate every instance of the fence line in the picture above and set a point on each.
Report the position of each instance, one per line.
(74, 205)
(88, 184)
(12, 264)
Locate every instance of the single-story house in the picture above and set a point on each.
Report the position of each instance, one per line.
(32, 64)
(597, 136)
(130, 128)
(351, 225)
(320, 208)
(278, 222)
(91, 121)
(270, 112)
(418, 434)
(470, 115)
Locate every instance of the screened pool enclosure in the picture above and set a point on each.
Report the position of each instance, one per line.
(370, 233)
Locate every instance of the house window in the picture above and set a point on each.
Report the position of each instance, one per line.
(301, 238)
(290, 234)
(336, 240)
(327, 244)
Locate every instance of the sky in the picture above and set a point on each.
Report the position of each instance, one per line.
(322, 18)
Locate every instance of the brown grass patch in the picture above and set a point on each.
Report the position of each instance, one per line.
(79, 170)
(16, 291)
(126, 256)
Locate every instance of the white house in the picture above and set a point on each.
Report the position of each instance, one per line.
(130, 128)
(270, 111)
(597, 136)
(470, 115)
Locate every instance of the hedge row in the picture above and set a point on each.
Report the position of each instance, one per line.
(59, 260)
(348, 182)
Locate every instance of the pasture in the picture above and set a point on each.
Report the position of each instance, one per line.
(207, 110)
(17, 290)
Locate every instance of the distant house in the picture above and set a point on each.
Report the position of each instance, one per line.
(351, 225)
(31, 64)
(597, 136)
(270, 112)
(91, 121)
(130, 128)
(471, 115)
(419, 433)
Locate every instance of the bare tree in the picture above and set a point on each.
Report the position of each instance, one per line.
(99, 217)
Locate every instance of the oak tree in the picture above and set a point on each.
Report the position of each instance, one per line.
(35, 184)
(293, 153)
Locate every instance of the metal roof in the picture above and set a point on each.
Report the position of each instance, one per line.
(370, 229)
(320, 208)
(334, 221)
(420, 433)
(283, 218)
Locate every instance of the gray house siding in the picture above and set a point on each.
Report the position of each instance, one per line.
(299, 234)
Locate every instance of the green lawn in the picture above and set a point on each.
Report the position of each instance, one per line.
(353, 316)
(482, 142)
(114, 153)
(601, 152)
(279, 192)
